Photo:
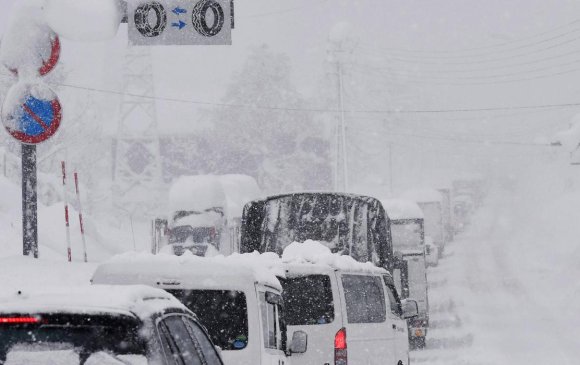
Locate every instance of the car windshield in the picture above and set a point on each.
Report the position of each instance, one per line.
(406, 234)
(71, 339)
(308, 300)
(223, 312)
(182, 234)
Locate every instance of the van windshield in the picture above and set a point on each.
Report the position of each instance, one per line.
(308, 300)
(223, 312)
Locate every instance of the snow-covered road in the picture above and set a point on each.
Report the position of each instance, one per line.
(491, 305)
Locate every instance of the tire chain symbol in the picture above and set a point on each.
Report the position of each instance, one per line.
(198, 17)
(142, 19)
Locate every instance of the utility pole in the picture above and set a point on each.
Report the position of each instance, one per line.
(341, 172)
(390, 147)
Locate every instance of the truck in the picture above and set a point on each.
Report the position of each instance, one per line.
(205, 213)
(349, 224)
(431, 203)
(408, 236)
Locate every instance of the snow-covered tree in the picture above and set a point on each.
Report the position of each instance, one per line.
(264, 134)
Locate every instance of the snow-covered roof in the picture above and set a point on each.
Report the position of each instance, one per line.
(423, 195)
(138, 300)
(234, 272)
(398, 209)
(239, 190)
(196, 193)
(313, 256)
(202, 192)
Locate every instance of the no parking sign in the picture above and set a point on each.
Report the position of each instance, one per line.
(31, 113)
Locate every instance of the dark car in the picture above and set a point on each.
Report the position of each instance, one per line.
(102, 324)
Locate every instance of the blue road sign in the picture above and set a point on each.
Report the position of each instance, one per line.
(35, 120)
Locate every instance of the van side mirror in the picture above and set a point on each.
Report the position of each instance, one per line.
(410, 308)
(273, 298)
(299, 342)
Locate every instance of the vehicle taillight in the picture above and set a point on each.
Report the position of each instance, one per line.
(340, 352)
(18, 320)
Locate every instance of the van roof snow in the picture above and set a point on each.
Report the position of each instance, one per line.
(318, 256)
(236, 270)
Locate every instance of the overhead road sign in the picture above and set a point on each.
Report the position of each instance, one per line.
(35, 117)
(180, 22)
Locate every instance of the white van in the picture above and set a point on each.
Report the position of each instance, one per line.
(237, 301)
(351, 313)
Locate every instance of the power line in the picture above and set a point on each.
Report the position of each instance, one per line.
(466, 62)
(499, 67)
(457, 82)
(322, 109)
(448, 53)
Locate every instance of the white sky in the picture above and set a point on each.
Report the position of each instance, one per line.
(300, 29)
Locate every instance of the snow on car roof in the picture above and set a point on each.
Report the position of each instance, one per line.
(218, 272)
(313, 256)
(398, 209)
(138, 300)
(423, 195)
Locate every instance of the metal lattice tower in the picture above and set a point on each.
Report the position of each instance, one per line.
(137, 162)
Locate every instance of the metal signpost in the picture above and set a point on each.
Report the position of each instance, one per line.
(33, 120)
(180, 22)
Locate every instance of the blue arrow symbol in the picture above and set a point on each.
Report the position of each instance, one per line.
(179, 10)
(179, 25)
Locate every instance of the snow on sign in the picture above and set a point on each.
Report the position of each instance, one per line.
(180, 22)
(31, 113)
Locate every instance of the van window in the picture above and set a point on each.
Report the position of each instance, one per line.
(365, 299)
(308, 300)
(395, 302)
(223, 312)
(269, 325)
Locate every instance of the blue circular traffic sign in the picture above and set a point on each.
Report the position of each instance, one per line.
(35, 117)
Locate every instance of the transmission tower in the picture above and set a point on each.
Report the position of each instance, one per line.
(137, 174)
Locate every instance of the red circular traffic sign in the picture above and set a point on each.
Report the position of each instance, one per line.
(37, 115)
(49, 61)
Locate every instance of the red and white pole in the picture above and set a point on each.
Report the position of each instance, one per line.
(81, 216)
(68, 246)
